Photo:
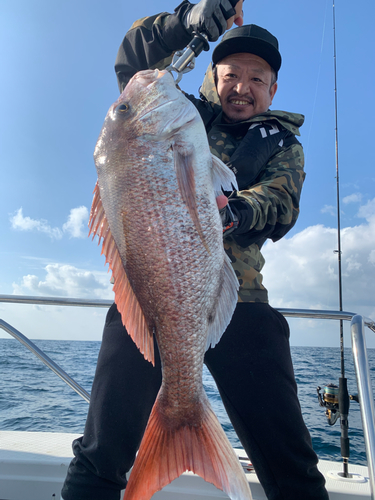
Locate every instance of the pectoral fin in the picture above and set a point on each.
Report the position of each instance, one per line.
(184, 165)
(222, 176)
(226, 304)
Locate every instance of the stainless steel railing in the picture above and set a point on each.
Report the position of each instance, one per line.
(358, 323)
(45, 359)
(54, 301)
(65, 301)
(366, 398)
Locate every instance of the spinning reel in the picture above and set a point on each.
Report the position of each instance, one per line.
(336, 401)
(330, 401)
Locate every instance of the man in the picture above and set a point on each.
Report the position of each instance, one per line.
(251, 364)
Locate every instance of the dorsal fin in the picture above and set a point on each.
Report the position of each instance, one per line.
(127, 303)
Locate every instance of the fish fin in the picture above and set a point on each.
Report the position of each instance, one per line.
(184, 165)
(225, 305)
(166, 453)
(222, 176)
(127, 303)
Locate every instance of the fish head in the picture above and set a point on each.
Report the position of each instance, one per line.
(150, 108)
(159, 107)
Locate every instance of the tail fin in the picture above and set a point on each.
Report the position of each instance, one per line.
(205, 450)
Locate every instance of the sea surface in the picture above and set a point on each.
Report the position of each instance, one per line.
(33, 398)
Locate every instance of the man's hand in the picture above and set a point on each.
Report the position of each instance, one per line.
(213, 17)
(228, 218)
(237, 19)
(221, 201)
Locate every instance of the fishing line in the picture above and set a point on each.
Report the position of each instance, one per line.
(338, 251)
(317, 81)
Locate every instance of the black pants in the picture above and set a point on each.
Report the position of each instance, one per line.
(253, 371)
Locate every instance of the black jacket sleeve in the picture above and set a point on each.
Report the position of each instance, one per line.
(150, 43)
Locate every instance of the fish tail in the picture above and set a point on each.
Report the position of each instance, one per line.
(203, 449)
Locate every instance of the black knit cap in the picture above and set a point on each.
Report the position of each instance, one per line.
(252, 39)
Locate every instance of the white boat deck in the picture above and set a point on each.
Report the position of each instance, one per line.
(33, 466)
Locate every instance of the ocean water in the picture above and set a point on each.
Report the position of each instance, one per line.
(33, 398)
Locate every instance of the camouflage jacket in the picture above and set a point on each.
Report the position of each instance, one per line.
(262, 151)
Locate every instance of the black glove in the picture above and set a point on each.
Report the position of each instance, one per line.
(229, 220)
(209, 17)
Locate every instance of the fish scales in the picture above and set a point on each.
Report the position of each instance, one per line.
(155, 207)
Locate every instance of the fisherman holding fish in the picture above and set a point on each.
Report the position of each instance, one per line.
(251, 364)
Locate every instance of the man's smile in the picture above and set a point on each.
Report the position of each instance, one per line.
(239, 102)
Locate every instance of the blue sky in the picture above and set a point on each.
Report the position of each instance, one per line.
(56, 86)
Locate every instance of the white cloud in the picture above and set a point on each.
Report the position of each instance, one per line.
(302, 271)
(352, 198)
(328, 209)
(75, 225)
(367, 211)
(68, 281)
(21, 223)
(60, 322)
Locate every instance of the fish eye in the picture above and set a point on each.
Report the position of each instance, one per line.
(123, 108)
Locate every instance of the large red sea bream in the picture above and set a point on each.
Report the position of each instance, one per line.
(155, 207)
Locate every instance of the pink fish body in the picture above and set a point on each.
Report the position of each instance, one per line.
(155, 207)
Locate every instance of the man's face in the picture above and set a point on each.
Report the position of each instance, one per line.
(244, 86)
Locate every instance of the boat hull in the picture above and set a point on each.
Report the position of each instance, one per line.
(33, 465)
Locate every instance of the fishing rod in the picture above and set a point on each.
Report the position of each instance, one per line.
(343, 386)
(335, 399)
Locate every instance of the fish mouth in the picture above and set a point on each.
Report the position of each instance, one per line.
(149, 76)
(154, 77)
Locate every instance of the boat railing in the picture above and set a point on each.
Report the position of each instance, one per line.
(46, 359)
(357, 328)
(49, 301)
